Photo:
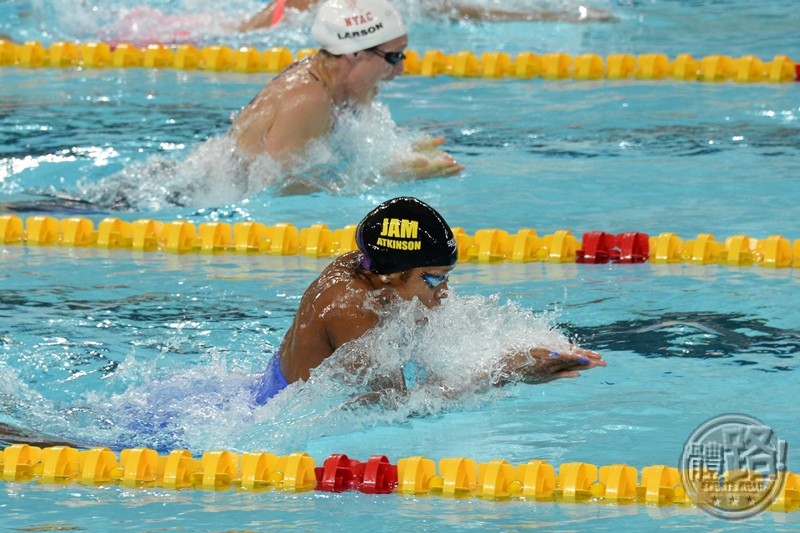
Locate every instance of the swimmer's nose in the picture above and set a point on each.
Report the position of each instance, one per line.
(397, 70)
(442, 290)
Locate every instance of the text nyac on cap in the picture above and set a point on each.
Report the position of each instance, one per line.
(405, 233)
(347, 26)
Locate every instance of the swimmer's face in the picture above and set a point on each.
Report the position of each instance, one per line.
(391, 56)
(429, 284)
(377, 64)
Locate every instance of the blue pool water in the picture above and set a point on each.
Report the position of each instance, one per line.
(123, 349)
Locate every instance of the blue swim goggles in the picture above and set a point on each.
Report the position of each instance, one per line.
(434, 281)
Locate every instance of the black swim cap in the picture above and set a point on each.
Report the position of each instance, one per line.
(405, 233)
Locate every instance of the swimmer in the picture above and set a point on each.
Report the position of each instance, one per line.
(362, 44)
(16, 435)
(405, 250)
(272, 14)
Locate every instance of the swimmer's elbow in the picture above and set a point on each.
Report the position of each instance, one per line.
(262, 19)
(395, 383)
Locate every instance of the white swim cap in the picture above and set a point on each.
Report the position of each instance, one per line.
(347, 26)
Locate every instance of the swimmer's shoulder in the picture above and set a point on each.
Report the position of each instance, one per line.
(297, 78)
(297, 94)
(344, 270)
(344, 299)
(298, 103)
(343, 282)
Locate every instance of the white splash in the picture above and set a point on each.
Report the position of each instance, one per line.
(141, 22)
(449, 355)
(214, 174)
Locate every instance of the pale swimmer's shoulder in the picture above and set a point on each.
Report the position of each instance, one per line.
(288, 86)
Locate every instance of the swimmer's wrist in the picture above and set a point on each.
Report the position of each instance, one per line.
(524, 366)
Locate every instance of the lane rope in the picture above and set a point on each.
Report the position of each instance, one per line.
(551, 66)
(490, 245)
(496, 480)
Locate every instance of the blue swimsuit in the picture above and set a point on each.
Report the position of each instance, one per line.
(271, 381)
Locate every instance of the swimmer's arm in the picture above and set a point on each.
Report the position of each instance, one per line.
(263, 19)
(540, 365)
(537, 365)
(579, 14)
(384, 388)
(501, 15)
(348, 324)
(303, 115)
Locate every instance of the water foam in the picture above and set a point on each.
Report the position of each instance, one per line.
(214, 173)
(211, 174)
(450, 356)
(141, 22)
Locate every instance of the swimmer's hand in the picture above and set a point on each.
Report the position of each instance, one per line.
(540, 365)
(433, 164)
(427, 162)
(427, 145)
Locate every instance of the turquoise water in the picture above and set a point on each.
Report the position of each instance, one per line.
(126, 349)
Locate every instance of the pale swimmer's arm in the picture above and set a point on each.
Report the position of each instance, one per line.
(282, 130)
(568, 13)
(264, 18)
